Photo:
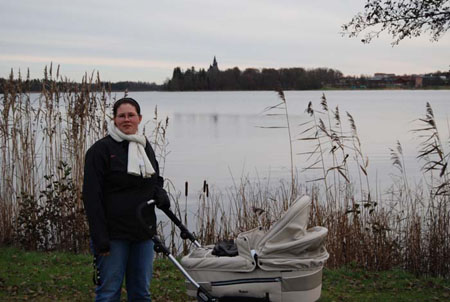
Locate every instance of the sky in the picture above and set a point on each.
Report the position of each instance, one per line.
(144, 40)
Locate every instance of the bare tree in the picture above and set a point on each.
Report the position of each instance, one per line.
(401, 19)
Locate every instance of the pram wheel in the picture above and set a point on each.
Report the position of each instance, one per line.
(244, 299)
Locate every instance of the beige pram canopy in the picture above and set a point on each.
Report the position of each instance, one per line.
(283, 264)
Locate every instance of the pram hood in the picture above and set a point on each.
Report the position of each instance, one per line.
(287, 245)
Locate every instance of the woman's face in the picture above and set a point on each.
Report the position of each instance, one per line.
(127, 119)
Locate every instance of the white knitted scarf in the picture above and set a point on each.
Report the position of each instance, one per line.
(138, 162)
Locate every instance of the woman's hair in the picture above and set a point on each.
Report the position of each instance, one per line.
(126, 101)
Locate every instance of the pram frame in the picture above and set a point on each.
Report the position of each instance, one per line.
(202, 294)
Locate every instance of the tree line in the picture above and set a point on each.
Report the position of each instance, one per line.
(36, 85)
(215, 79)
(251, 79)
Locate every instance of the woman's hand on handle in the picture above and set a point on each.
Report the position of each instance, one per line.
(162, 199)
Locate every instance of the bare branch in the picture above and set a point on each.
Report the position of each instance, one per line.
(401, 19)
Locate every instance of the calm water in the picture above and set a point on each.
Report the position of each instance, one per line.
(217, 136)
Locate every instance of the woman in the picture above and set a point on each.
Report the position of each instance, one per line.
(120, 173)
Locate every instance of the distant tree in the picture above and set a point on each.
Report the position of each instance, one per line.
(401, 19)
(189, 79)
(177, 79)
(133, 86)
(230, 79)
(202, 80)
(250, 79)
(270, 78)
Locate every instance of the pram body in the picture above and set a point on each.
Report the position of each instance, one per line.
(283, 264)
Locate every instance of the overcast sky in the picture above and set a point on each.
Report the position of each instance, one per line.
(143, 40)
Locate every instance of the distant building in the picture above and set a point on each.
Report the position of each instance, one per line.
(391, 81)
(419, 82)
(381, 80)
(383, 76)
(404, 81)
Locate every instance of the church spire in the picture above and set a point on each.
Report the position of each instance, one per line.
(214, 66)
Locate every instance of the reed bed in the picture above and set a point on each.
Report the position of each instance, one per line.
(44, 138)
(246, 205)
(400, 226)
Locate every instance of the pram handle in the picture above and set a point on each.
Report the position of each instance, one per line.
(184, 232)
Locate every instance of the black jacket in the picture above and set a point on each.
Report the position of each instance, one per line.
(111, 195)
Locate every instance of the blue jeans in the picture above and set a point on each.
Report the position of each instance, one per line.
(130, 259)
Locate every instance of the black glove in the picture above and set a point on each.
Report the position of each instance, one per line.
(162, 200)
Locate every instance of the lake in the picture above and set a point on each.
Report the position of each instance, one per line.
(219, 136)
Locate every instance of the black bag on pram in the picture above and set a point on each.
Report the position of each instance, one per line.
(225, 248)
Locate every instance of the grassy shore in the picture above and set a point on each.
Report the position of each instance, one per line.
(54, 276)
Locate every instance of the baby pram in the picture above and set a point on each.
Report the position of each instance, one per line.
(283, 264)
